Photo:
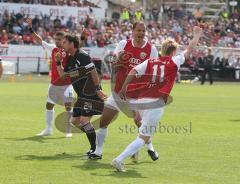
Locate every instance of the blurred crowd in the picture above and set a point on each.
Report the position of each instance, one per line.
(162, 22)
(172, 22)
(221, 67)
(78, 3)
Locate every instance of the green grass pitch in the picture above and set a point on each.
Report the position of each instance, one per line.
(207, 151)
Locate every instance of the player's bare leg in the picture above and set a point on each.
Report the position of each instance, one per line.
(68, 108)
(107, 116)
(49, 119)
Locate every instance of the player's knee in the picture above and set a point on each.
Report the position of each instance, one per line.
(49, 106)
(107, 117)
(105, 120)
(74, 121)
(145, 138)
(87, 127)
(137, 123)
(68, 108)
(103, 123)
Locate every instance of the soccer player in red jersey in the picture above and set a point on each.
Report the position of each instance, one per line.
(60, 89)
(130, 53)
(156, 78)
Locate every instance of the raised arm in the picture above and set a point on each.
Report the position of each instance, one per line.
(36, 37)
(197, 32)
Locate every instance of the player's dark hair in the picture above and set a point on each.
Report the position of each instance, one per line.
(137, 23)
(73, 39)
(60, 33)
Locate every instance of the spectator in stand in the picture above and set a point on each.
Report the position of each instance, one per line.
(4, 38)
(139, 15)
(236, 66)
(69, 23)
(155, 13)
(27, 38)
(208, 66)
(116, 16)
(198, 14)
(125, 15)
(100, 39)
(14, 40)
(46, 21)
(57, 23)
(36, 23)
(178, 13)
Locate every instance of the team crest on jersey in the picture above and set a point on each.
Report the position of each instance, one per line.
(64, 54)
(143, 55)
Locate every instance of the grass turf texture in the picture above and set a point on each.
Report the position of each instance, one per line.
(209, 154)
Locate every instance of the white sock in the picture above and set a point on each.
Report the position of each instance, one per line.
(131, 149)
(68, 124)
(149, 146)
(49, 118)
(69, 115)
(100, 137)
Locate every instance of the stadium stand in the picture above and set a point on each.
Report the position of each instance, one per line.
(167, 20)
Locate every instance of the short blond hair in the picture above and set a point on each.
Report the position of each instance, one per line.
(168, 47)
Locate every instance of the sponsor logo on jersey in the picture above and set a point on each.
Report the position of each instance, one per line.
(143, 55)
(135, 61)
(64, 54)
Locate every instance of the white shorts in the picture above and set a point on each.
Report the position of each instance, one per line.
(150, 120)
(147, 107)
(60, 94)
(115, 102)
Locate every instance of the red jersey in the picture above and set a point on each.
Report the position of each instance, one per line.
(157, 77)
(134, 56)
(55, 78)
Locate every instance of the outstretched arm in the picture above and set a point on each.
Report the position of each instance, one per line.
(197, 32)
(36, 37)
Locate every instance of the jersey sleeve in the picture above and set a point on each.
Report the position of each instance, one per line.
(179, 59)
(154, 53)
(141, 68)
(48, 46)
(120, 46)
